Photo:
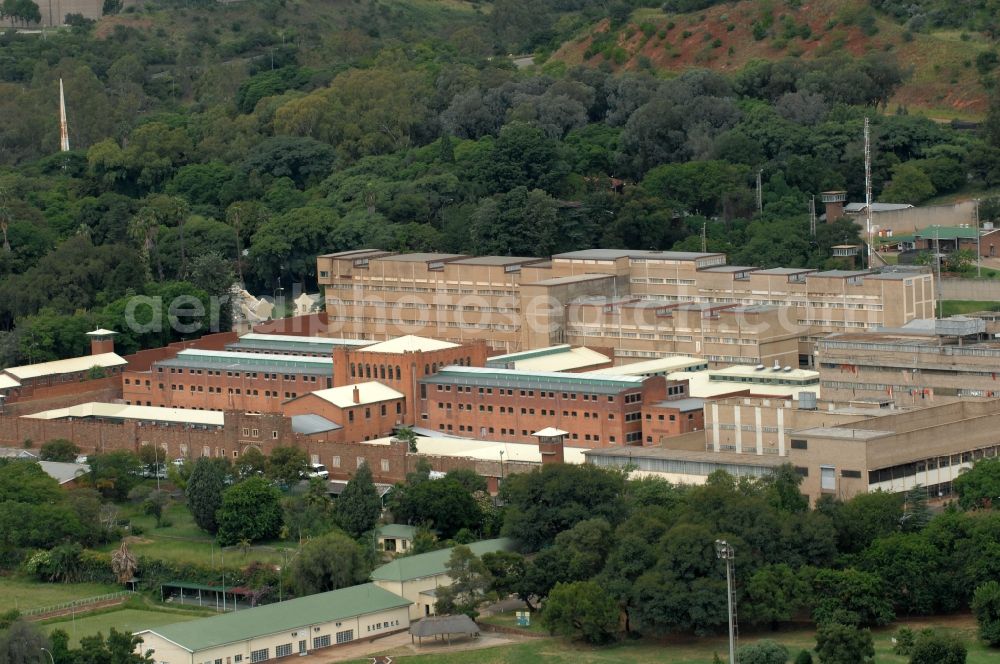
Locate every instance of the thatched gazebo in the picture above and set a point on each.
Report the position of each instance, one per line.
(443, 626)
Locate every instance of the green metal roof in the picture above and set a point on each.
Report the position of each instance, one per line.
(397, 531)
(433, 563)
(947, 233)
(287, 616)
(547, 380)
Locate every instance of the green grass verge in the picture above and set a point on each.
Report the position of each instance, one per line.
(132, 620)
(509, 619)
(183, 542)
(680, 650)
(956, 307)
(21, 593)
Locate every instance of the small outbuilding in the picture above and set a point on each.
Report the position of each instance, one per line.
(443, 627)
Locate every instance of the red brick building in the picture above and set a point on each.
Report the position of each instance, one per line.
(400, 363)
(365, 411)
(672, 417)
(507, 405)
(226, 380)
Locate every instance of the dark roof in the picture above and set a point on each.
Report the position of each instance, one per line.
(312, 424)
(440, 625)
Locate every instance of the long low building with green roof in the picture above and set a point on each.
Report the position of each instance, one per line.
(273, 631)
(417, 578)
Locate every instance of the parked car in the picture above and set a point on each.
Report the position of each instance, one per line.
(317, 470)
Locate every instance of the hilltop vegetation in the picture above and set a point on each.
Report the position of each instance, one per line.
(949, 72)
(220, 142)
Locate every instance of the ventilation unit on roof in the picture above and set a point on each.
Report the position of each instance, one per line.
(760, 367)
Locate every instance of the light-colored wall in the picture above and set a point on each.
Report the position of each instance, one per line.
(902, 222)
(422, 604)
(164, 651)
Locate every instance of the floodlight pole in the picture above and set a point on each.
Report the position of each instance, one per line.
(724, 551)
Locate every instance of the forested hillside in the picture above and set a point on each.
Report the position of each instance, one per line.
(273, 131)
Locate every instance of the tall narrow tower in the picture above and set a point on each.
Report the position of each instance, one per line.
(63, 130)
(868, 196)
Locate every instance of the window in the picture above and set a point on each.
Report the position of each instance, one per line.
(260, 655)
(336, 462)
(827, 478)
(343, 637)
(385, 465)
(799, 444)
(321, 641)
(283, 650)
(238, 659)
(360, 461)
(856, 474)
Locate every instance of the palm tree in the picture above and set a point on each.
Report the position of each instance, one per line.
(143, 229)
(124, 563)
(5, 218)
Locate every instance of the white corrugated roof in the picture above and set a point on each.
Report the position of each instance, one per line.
(320, 341)
(550, 432)
(700, 387)
(571, 358)
(485, 450)
(125, 412)
(660, 365)
(370, 392)
(409, 344)
(72, 365)
(6, 382)
(101, 332)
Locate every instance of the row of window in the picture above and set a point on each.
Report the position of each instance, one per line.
(383, 625)
(629, 398)
(513, 432)
(236, 374)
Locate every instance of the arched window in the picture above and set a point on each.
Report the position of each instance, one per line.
(352, 370)
(381, 371)
(368, 371)
(427, 368)
(434, 367)
(399, 374)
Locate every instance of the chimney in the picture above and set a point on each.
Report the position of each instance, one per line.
(834, 201)
(356, 395)
(101, 341)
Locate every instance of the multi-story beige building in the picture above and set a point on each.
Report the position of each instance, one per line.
(937, 362)
(839, 449)
(645, 303)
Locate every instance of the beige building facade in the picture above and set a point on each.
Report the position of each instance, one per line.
(910, 367)
(645, 304)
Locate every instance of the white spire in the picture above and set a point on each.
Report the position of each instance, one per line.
(63, 130)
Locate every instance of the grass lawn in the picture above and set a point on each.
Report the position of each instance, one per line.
(20, 593)
(131, 620)
(182, 541)
(509, 619)
(955, 307)
(682, 650)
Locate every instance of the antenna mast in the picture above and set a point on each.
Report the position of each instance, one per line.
(868, 195)
(704, 236)
(760, 194)
(63, 130)
(812, 216)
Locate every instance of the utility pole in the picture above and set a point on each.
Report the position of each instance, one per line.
(724, 551)
(868, 195)
(979, 251)
(937, 262)
(760, 194)
(704, 236)
(63, 129)
(812, 216)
